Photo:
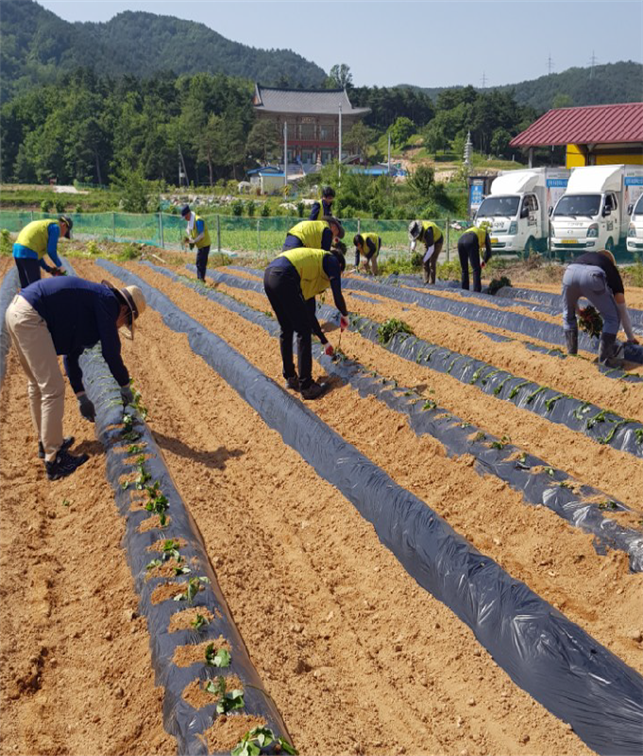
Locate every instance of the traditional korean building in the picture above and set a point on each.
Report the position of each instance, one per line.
(312, 117)
(593, 135)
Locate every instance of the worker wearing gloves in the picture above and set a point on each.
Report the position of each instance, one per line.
(324, 208)
(595, 276)
(470, 246)
(368, 245)
(197, 234)
(37, 239)
(318, 234)
(430, 234)
(292, 280)
(66, 316)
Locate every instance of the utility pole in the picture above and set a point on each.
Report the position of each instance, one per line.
(285, 153)
(389, 154)
(550, 64)
(340, 140)
(484, 79)
(592, 64)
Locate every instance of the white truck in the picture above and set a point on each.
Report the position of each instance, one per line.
(635, 230)
(516, 210)
(593, 212)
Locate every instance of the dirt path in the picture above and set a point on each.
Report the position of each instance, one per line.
(348, 670)
(77, 675)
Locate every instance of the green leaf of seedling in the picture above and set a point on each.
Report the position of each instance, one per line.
(125, 485)
(154, 563)
(198, 622)
(550, 471)
(480, 436)
(66, 502)
(182, 570)
(220, 658)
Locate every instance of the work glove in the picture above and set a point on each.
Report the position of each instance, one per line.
(343, 323)
(57, 272)
(328, 349)
(86, 407)
(126, 395)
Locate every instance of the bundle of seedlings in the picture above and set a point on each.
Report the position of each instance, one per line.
(497, 284)
(590, 321)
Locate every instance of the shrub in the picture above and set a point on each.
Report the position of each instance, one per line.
(265, 210)
(60, 206)
(300, 209)
(45, 205)
(251, 207)
(237, 208)
(5, 242)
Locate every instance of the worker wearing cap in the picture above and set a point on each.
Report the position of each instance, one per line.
(325, 207)
(65, 316)
(197, 234)
(369, 245)
(470, 246)
(595, 276)
(430, 234)
(292, 280)
(37, 239)
(317, 234)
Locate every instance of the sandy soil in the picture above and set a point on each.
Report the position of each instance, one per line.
(77, 675)
(349, 672)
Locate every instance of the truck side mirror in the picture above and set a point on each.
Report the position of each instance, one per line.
(630, 209)
(607, 211)
(550, 211)
(524, 212)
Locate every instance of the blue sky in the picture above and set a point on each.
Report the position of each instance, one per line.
(426, 43)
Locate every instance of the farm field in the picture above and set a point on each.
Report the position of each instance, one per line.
(356, 655)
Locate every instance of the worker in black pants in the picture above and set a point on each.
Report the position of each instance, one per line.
(470, 245)
(291, 282)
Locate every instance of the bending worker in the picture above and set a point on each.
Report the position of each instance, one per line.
(470, 246)
(37, 239)
(596, 277)
(430, 234)
(66, 316)
(368, 245)
(317, 234)
(324, 208)
(197, 234)
(292, 280)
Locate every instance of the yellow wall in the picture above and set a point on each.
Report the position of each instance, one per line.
(576, 158)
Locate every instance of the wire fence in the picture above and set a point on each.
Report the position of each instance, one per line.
(254, 236)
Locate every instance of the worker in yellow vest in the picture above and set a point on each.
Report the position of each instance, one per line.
(470, 246)
(37, 239)
(369, 245)
(292, 280)
(430, 234)
(317, 234)
(197, 235)
(325, 207)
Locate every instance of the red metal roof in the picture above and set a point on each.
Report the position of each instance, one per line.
(598, 124)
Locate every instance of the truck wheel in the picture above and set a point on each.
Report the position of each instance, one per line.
(609, 245)
(531, 247)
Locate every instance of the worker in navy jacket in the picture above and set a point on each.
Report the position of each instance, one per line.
(325, 207)
(65, 316)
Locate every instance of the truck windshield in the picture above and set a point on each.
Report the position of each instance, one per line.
(494, 206)
(574, 205)
(638, 210)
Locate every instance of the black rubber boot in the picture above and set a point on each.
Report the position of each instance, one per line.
(67, 442)
(64, 464)
(609, 353)
(571, 337)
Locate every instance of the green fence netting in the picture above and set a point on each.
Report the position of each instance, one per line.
(257, 235)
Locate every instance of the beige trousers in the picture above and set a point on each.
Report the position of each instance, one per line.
(46, 387)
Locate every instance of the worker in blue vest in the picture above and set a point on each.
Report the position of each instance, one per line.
(37, 239)
(317, 234)
(325, 207)
(470, 246)
(291, 281)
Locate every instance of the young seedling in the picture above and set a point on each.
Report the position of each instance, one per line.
(193, 586)
(608, 504)
(501, 444)
(390, 327)
(429, 405)
(198, 623)
(261, 738)
(226, 700)
(220, 658)
(137, 402)
(154, 563)
(480, 436)
(135, 448)
(129, 432)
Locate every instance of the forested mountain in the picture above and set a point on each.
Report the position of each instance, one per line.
(600, 85)
(38, 46)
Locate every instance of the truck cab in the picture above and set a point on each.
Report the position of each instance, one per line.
(516, 209)
(635, 228)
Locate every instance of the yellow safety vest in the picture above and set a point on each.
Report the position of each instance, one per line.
(437, 231)
(35, 236)
(481, 233)
(308, 263)
(205, 241)
(310, 233)
(374, 238)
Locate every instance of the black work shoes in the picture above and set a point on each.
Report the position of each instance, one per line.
(292, 383)
(64, 464)
(314, 390)
(67, 442)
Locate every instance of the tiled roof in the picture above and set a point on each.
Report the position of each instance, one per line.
(598, 124)
(309, 101)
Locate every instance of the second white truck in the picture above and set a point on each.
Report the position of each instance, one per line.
(517, 209)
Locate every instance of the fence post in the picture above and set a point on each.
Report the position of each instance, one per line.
(259, 235)
(161, 230)
(32, 215)
(113, 226)
(359, 225)
(447, 239)
(218, 233)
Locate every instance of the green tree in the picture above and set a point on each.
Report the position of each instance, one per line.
(263, 142)
(401, 130)
(339, 77)
(359, 137)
